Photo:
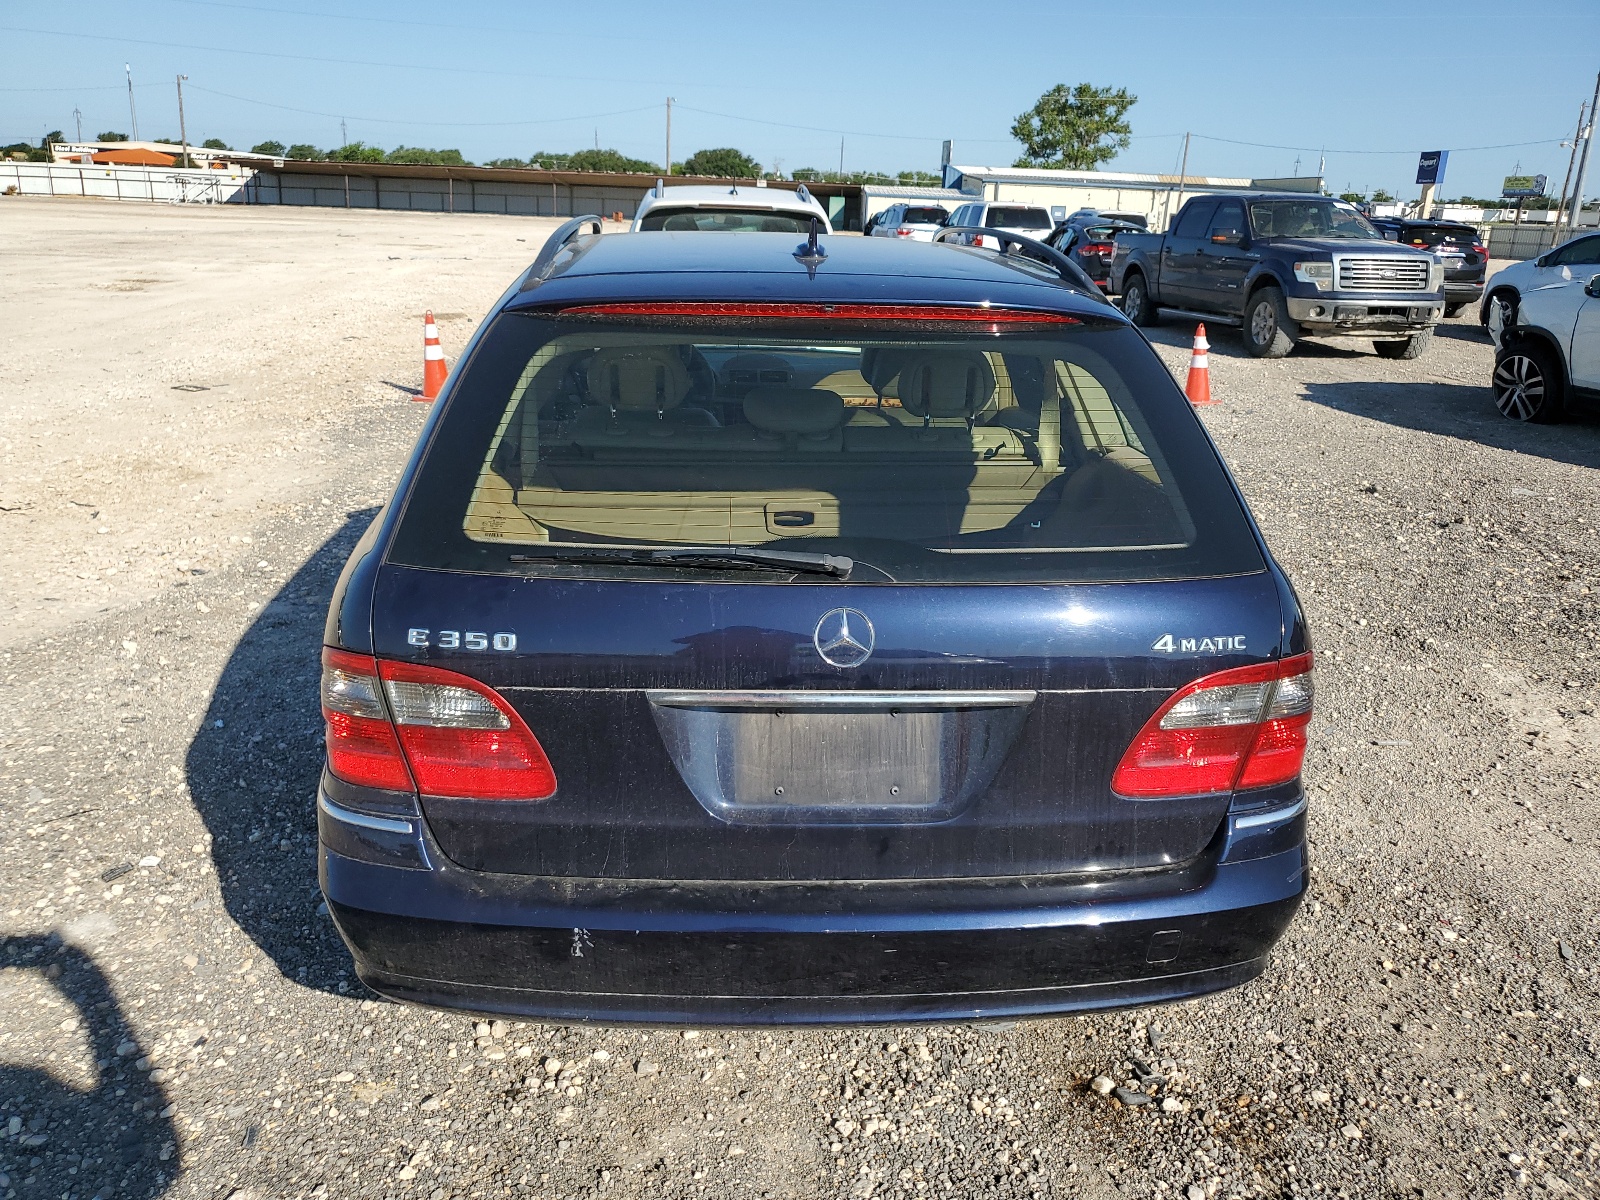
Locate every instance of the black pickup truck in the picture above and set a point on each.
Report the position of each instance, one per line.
(1282, 266)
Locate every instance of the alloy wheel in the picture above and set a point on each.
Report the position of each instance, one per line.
(1263, 323)
(1519, 385)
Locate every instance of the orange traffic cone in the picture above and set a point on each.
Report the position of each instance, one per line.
(1198, 389)
(433, 368)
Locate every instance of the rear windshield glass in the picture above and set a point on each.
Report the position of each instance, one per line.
(1432, 235)
(724, 220)
(926, 216)
(923, 452)
(1019, 218)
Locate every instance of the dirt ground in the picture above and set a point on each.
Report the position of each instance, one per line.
(204, 407)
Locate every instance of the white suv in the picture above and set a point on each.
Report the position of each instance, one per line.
(1547, 349)
(1577, 258)
(1027, 219)
(749, 209)
(914, 222)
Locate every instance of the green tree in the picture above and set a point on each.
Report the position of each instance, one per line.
(1382, 197)
(275, 149)
(215, 144)
(416, 155)
(305, 152)
(918, 179)
(724, 163)
(1351, 197)
(505, 162)
(1074, 129)
(356, 152)
(110, 137)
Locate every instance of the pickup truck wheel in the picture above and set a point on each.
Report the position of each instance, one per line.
(1269, 331)
(1527, 383)
(1136, 301)
(1412, 347)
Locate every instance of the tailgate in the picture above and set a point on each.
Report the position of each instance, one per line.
(697, 733)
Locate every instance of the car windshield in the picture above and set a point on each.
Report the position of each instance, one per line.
(1019, 218)
(926, 216)
(724, 220)
(1309, 219)
(923, 451)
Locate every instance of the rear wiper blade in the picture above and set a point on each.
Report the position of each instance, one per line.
(714, 558)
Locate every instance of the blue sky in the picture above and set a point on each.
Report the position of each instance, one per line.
(1373, 83)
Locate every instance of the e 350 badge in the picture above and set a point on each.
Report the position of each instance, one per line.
(455, 639)
(1168, 644)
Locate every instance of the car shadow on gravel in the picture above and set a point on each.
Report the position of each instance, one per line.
(115, 1138)
(1461, 411)
(1225, 341)
(252, 773)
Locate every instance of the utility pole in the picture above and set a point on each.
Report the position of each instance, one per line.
(344, 134)
(183, 130)
(669, 135)
(77, 115)
(133, 113)
(1183, 175)
(1575, 218)
(841, 158)
(1572, 159)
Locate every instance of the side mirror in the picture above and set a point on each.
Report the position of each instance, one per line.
(1228, 237)
(1592, 288)
(1542, 261)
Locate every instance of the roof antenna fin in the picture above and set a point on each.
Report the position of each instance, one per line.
(810, 252)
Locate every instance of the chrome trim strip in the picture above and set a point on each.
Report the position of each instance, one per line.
(823, 701)
(1272, 816)
(381, 824)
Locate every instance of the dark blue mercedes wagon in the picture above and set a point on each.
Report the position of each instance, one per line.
(844, 632)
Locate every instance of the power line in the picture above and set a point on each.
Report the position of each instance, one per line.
(311, 112)
(899, 137)
(337, 62)
(435, 26)
(1321, 150)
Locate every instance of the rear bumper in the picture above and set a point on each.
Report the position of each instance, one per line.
(668, 952)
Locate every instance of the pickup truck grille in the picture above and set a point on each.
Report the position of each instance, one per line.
(1383, 275)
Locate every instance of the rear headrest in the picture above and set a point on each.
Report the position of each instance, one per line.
(880, 364)
(638, 378)
(946, 383)
(807, 411)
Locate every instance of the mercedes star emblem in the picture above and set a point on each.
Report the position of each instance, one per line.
(844, 637)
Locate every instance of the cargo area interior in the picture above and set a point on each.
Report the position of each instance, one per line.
(635, 438)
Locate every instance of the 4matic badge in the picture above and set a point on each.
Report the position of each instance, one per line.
(1168, 644)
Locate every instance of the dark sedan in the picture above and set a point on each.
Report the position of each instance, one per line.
(1091, 243)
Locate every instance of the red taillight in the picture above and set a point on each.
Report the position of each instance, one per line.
(427, 730)
(1483, 250)
(362, 746)
(1231, 731)
(834, 312)
(461, 738)
(1095, 249)
(902, 232)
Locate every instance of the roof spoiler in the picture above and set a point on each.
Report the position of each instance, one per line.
(557, 242)
(1070, 272)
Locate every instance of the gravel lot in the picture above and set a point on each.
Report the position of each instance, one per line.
(177, 1016)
